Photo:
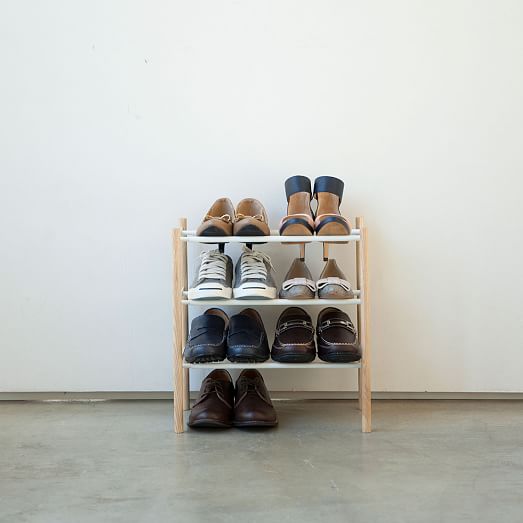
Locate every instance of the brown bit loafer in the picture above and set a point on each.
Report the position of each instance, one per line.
(215, 404)
(294, 338)
(253, 407)
(251, 219)
(337, 338)
(219, 219)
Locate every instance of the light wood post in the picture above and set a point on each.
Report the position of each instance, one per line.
(185, 318)
(358, 307)
(178, 278)
(364, 374)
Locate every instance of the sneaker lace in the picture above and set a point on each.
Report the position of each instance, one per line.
(253, 264)
(214, 265)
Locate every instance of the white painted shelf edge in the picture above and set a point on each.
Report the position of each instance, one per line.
(258, 303)
(190, 236)
(316, 364)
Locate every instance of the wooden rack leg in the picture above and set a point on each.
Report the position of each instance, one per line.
(364, 374)
(185, 319)
(178, 272)
(358, 307)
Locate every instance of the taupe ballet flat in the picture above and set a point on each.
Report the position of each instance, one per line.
(333, 284)
(298, 283)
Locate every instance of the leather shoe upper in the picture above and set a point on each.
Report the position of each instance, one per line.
(253, 406)
(207, 337)
(337, 338)
(215, 404)
(294, 337)
(247, 339)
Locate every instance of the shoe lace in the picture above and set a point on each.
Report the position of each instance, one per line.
(253, 264)
(252, 386)
(213, 387)
(214, 265)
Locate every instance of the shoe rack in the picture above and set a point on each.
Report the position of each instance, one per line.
(181, 236)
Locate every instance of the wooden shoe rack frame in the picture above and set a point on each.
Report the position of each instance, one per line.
(181, 236)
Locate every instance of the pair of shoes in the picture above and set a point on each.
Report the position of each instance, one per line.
(335, 334)
(326, 220)
(249, 219)
(253, 277)
(332, 283)
(214, 337)
(220, 404)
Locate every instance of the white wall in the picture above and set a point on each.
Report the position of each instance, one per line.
(118, 117)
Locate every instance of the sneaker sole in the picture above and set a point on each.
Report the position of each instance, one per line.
(249, 291)
(197, 293)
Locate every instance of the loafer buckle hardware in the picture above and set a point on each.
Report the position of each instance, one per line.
(294, 323)
(336, 323)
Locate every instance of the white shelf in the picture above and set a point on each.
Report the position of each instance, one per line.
(190, 236)
(261, 303)
(316, 364)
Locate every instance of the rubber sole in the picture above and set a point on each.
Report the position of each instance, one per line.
(251, 291)
(247, 359)
(339, 357)
(205, 359)
(204, 355)
(255, 424)
(218, 293)
(250, 230)
(242, 354)
(209, 424)
(293, 357)
(212, 230)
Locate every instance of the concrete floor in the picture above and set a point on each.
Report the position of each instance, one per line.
(427, 461)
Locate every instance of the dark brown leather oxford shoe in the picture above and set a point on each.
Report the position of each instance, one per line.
(253, 407)
(215, 404)
(337, 338)
(294, 337)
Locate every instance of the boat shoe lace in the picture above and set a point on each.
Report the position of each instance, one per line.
(252, 386)
(213, 266)
(213, 387)
(254, 264)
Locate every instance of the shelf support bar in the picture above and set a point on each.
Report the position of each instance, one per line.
(364, 379)
(177, 285)
(185, 318)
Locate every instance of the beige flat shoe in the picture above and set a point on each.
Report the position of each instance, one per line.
(251, 219)
(219, 219)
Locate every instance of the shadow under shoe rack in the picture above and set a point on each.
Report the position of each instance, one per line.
(180, 237)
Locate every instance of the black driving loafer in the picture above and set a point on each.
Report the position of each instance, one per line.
(208, 337)
(247, 339)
